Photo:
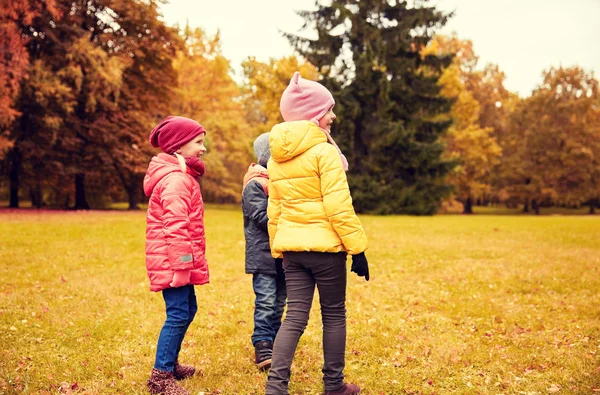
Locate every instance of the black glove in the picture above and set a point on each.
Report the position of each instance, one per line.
(360, 266)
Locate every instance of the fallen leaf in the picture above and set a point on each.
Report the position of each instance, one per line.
(554, 388)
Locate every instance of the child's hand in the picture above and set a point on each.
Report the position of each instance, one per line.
(180, 278)
(360, 266)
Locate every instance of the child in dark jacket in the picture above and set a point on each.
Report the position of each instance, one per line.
(268, 279)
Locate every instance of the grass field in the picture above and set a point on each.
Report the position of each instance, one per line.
(498, 209)
(456, 305)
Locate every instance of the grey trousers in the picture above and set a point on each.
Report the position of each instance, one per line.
(304, 270)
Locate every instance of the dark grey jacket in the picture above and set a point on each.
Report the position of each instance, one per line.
(258, 252)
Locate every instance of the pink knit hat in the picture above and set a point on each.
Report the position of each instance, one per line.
(305, 100)
(173, 132)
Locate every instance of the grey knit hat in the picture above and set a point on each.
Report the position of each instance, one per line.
(261, 149)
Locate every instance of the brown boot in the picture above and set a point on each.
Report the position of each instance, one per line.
(164, 383)
(182, 372)
(347, 389)
(263, 354)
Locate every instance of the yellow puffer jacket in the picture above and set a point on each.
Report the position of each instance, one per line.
(310, 208)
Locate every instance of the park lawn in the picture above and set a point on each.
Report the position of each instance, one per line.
(456, 305)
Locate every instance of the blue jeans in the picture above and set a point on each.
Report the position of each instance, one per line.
(181, 308)
(270, 299)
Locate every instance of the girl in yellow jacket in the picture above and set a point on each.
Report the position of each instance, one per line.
(313, 226)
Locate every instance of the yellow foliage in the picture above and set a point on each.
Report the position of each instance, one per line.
(103, 74)
(451, 206)
(555, 139)
(472, 145)
(264, 84)
(208, 94)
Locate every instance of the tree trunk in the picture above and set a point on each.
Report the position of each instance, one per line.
(81, 202)
(133, 195)
(526, 206)
(37, 199)
(593, 204)
(535, 206)
(67, 201)
(15, 161)
(468, 206)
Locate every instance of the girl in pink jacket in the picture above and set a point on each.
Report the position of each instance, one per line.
(175, 240)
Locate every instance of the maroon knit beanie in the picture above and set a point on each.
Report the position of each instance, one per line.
(173, 132)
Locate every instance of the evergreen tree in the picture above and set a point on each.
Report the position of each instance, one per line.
(388, 99)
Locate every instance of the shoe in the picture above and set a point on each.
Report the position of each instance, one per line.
(263, 352)
(347, 389)
(163, 383)
(182, 372)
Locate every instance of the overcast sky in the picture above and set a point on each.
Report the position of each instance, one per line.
(523, 37)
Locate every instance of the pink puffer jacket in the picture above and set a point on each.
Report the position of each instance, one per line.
(175, 238)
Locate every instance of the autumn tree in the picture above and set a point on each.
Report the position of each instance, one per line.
(473, 146)
(147, 92)
(555, 140)
(14, 63)
(369, 53)
(98, 51)
(46, 100)
(207, 93)
(14, 58)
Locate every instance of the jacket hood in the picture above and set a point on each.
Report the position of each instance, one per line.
(290, 139)
(160, 165)
(255, 171)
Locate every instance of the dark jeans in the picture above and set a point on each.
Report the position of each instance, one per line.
(181, 308)
(270, 299)
(304, 270)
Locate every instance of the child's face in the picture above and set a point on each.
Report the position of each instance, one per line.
(327, 120)
(194, 147)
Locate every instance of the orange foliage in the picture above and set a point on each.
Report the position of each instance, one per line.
(14, 58)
